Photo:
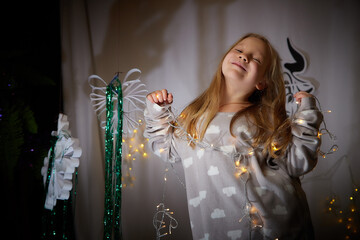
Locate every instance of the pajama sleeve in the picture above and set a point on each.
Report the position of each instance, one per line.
(159, 131)
(302, 153)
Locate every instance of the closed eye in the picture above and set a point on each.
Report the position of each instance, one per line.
(239, 50)
(257, 60)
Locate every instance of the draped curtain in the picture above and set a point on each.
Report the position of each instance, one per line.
(177, 45)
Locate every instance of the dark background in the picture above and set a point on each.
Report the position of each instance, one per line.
(30, 101)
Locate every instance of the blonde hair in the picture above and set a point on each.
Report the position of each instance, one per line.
(267, 112)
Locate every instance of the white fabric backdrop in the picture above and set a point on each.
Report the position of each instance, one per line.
(177, 45)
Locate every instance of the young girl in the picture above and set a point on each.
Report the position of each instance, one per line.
(242, 156)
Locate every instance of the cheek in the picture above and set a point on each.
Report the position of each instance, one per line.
(224, 64)
(226, 59)
(258, 71)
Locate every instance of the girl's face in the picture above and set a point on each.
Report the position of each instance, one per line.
(245, 65)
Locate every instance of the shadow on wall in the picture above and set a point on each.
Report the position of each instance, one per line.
(135, 34)
(134, 38)
(210, 52)
(355, 113)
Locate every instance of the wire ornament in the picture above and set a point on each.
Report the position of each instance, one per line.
(163, 215)
(159, 221)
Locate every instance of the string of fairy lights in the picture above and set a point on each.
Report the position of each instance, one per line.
(241, 159)
(164, 221)
(349, 218)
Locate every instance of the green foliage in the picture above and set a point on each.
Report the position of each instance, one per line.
(11, 140)
(20, 86)
(16, 121)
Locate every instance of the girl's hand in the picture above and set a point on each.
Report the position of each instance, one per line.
(160, 97)
(299, 95)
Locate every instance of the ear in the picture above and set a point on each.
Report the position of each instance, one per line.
(261, 85)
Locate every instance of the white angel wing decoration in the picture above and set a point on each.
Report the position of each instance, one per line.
(134, 95)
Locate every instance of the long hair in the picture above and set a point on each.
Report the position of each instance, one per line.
(267, 111)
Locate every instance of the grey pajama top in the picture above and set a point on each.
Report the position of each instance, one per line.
(233, 190)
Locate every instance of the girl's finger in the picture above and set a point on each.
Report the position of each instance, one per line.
(153, 96)
(164, 94)
(170, 98)
(159, 97)
(150, 98)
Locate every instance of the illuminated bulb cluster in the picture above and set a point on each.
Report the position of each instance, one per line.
(241, 162)
(274, 147)
(333, 204)
(333, 149)
(240, 169)
(349, 218)
(319, 135)
(252, 215)
(299, 121)
(134, 147)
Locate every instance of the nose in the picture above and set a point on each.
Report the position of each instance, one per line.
(243, 57)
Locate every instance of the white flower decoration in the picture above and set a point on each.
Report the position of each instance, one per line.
(66, 158)
(134, 96)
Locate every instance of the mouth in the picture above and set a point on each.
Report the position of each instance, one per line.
(240, 66)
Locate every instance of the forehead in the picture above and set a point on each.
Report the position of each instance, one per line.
(255, 45)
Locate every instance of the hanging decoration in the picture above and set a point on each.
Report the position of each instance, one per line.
(60, 164)
(134, 95)
(123, 102)
(58, 170)
(293, 82)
